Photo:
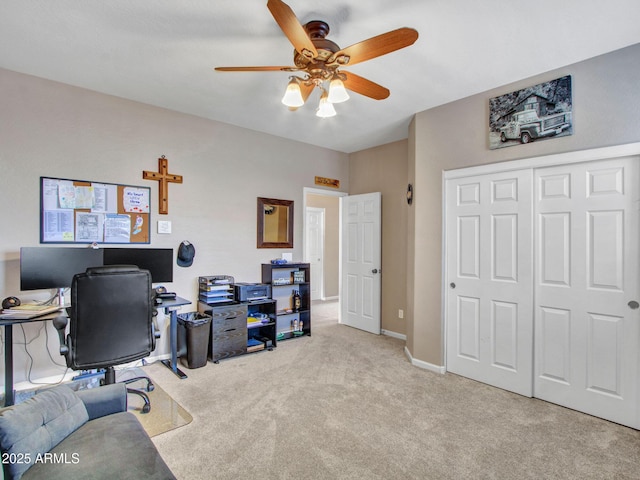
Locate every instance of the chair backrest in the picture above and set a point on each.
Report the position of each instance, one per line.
(111, 317)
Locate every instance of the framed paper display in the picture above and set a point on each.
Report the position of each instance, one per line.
(79, 211)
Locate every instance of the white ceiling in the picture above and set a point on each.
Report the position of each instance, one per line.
(162, 52)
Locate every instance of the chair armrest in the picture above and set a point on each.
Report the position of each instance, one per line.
(105, 400)
(154, 326)
(60, 323)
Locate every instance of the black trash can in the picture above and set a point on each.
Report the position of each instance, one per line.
(193, 338)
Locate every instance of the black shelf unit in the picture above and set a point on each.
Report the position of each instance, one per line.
(262, 332)
(232, 331)
(284, 279)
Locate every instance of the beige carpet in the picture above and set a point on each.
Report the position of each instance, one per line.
(344, 404)
(166, 414)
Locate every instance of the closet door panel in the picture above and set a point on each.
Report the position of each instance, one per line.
(489, 279)
(587, 335)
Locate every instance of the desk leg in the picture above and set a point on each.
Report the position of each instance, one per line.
(173, 339)
(9, 395)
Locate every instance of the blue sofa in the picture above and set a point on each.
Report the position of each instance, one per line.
(63, 434)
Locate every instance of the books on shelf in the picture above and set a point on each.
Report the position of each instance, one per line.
(254, 345)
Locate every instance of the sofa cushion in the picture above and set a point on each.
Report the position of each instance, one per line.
(37, 425)
(104, 400)
(114, 446)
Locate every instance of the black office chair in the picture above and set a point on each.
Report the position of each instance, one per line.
(112, 322)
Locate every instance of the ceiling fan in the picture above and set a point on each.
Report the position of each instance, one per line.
(321, 60)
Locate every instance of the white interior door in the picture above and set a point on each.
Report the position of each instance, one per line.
(360, 261)
(489, 289)
(587, 329)
(315, 250)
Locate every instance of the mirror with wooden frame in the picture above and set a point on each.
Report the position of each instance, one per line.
(275, 223)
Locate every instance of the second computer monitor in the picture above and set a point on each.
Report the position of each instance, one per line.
(159, 261)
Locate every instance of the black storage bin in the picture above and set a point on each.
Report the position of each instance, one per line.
(193, 338)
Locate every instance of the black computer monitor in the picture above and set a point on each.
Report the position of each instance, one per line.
(52, 267)
(159, 261)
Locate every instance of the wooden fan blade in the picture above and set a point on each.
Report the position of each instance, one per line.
(256, 69)
(305, 90)
(377, 46)
(292, 28)
(365, 87)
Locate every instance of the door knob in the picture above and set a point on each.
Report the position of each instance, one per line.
(452, 285)
(633, 305)
(375, 270)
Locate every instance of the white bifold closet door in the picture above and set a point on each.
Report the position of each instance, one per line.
(543, 284)
(587, 279)
(489, 279)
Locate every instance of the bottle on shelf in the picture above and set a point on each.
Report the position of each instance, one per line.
(296, 301)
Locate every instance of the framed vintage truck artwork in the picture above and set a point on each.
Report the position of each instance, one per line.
(535, 113)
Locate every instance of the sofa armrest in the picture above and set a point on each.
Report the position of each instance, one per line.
(104, 400)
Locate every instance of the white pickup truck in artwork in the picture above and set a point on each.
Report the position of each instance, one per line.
(526, 126)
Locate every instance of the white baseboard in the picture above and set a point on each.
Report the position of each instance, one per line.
(426, 365)
(68, 376)
(157, 358)
(397, 335)
(330, 299)
(45, 381)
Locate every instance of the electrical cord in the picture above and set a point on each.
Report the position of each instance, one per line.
(31, 359)
(26, 342)
(52, 298)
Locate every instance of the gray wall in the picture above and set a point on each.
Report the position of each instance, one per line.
(384, 169)
(606, 112)
(52, 129)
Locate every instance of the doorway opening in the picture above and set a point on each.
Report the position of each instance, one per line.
(321, 243)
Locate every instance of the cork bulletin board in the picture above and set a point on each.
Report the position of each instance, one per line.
(80, 211)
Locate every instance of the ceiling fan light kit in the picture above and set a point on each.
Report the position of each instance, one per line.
(325, 108)
(293, 96)
(319, 59)
(337, 92)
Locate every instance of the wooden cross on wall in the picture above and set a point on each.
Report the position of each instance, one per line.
(163, 177)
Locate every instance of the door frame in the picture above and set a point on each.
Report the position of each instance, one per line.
(321, 211)
(578, 156)
(316, 191)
